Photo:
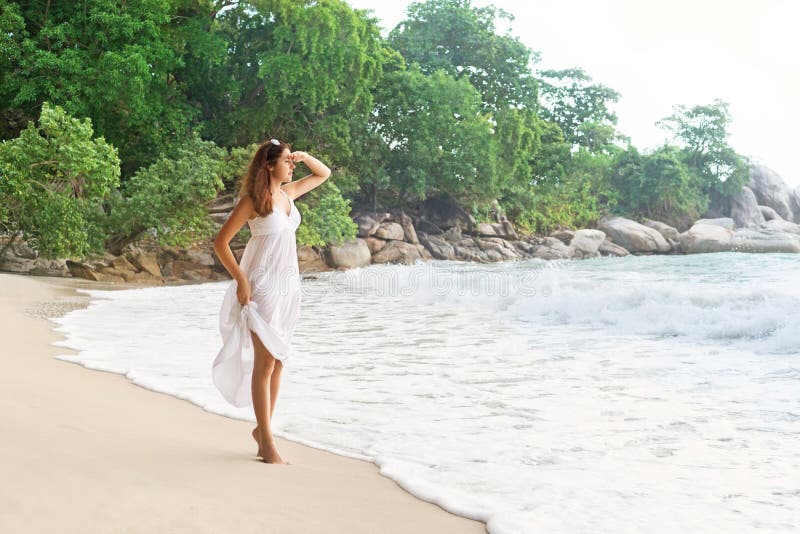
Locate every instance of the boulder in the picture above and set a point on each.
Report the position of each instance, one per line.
(669, 232)
(309, 260)
(397, 252)
(82, 270)
(702, 238)
(443, 211)
(349, 254)
(608, 248)
(585, 243)
(764, 240)
(368, 223)
(552, 248)
(199, 257)
(564, 235)
(722, 222)
(438, 246)
(145, 261)
(779, 225)
(375, 244)
(424, 225)
(496, 248)
(744, 209)
(390, 230)
(634, 237)
(485, 229)
(410, 233)
(771, 190)
(769, 214)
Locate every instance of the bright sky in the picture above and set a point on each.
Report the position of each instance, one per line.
(661, 53)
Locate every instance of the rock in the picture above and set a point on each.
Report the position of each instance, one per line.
(349, 254)
(634, 237)
(438, 246)
(669, 232)
(118, 273)
(309, 260)
(744, 209)
(607, 248)
(81, 270)
(552, 249)
(496, 248)
(20, 249)
(200, 258)
(764, 240)
(197, 275)
(565, 236)
(220, 218)
(770, 190)
(779, 225)
(769, 214)
(43, 267)
(586, 243)
(375, 244)
(368, 223)
(443, 211)
(453, 234)
(423, 225)
(180, 267)
(485, 229)
(723, 222)
(119, 262)
(397, 252)
(145, 261)
(390, 230)
(13, 264)
(223, 204)
(410, 233)
(703, 237)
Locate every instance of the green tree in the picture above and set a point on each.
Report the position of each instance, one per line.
(434, 135)
(455, 37)
(110, 61)
(53, 179)
(702, 133)
(168, 198)
(581, 109)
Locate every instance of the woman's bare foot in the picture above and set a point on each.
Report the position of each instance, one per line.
(271, 455)
(257, 437)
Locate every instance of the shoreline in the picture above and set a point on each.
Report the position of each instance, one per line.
(104, 452)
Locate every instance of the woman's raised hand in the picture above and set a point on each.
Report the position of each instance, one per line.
(298, 156)
(243, 292)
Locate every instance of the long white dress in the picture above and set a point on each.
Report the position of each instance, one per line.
(270, 263)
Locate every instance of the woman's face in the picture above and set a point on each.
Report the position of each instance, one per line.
(283, 168)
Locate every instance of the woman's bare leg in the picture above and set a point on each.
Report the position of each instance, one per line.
(263, 366)
(274, 386)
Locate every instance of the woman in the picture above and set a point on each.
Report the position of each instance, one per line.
(260, 308)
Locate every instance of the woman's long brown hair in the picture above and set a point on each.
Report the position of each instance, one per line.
(255, 183)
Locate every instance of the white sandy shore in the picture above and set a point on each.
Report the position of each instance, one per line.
(86, 451)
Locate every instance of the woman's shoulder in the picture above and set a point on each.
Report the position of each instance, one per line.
(246, 204)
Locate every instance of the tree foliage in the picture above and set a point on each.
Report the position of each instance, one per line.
(53, 178)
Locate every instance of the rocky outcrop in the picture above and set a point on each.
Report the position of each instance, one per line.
(349, 254)
(769, 214)
(718, 236)
(744, 209)
(634, 237)
(444, 212)
(770, 190)
(586, 244)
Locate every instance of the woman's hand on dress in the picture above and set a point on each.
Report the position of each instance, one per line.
(243, 292)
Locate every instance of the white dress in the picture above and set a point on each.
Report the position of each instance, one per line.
(270, 263)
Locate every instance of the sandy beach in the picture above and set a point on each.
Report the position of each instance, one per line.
(87, 451)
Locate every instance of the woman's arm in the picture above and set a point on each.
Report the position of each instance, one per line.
(302, 186)
(241, 213)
